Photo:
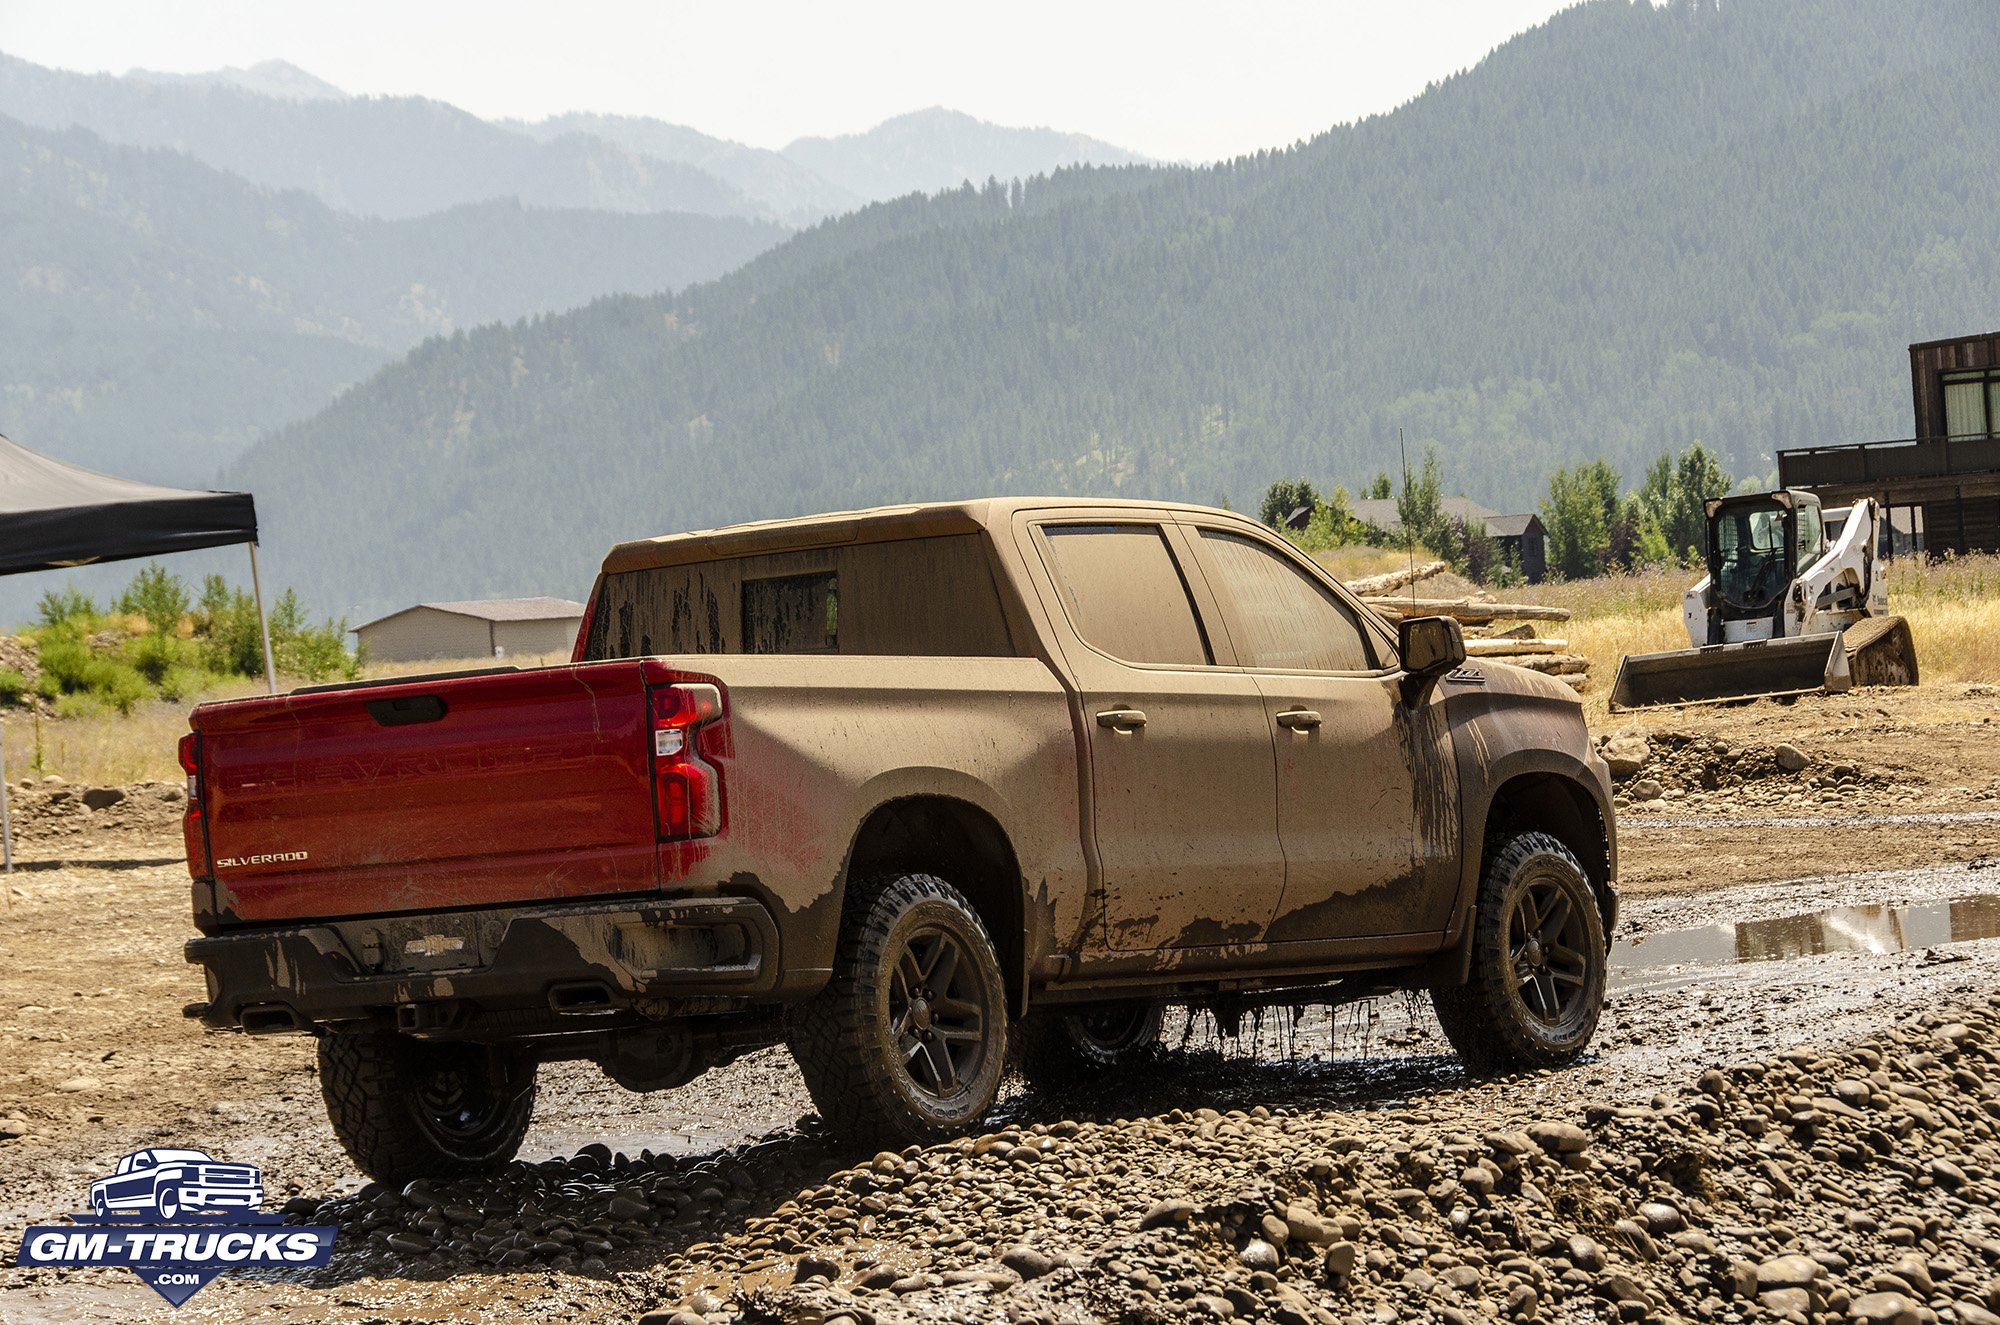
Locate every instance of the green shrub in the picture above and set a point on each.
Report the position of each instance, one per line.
(12, 686)
(158, 596)
(68, 603)
(66, 659)
(181, 684)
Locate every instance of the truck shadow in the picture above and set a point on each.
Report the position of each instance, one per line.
(601, 1214)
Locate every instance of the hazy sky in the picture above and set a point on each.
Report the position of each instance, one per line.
(1168, 78)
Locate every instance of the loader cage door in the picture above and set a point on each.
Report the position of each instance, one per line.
(1749, 547)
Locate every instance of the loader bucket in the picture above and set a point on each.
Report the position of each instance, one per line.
(1724, 672)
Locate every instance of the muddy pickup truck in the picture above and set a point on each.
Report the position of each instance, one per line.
(919, 792)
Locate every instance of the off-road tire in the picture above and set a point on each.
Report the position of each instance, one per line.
(1062, 1048)
(853, 1041)
(382, 1096)
(1490, 1020)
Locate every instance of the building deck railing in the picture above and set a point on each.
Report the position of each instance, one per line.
(1880, 462)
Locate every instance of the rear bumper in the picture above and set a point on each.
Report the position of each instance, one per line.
(506, 971)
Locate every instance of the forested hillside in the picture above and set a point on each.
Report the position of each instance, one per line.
(161, 315)
(1625, 230)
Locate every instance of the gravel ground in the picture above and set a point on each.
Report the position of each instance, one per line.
(720, 1196)
(1781, 1064)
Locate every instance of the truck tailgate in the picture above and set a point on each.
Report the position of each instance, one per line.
(472, 790)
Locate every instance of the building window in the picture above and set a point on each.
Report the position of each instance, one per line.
(1972, 403)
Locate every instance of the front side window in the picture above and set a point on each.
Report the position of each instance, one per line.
(1751, 568)
(1124, 593)
(1812, 535)
(1283, 618)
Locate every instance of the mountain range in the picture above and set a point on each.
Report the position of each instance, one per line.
(1629, 228)
(277, 125)
(194, 260)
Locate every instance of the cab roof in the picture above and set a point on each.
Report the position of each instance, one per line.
(877, 524)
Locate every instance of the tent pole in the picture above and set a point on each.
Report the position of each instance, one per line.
(263, 622)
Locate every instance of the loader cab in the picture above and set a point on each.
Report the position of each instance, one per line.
(1757, 545)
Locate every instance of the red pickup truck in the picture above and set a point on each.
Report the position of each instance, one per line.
(895, 788)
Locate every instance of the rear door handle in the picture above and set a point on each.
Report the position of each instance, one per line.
(1121, 719)
(1298, 720)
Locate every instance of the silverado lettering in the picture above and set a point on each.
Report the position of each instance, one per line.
(906, 790)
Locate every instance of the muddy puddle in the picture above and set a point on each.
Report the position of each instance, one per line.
(1871, 929)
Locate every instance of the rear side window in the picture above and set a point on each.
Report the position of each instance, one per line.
(913, 598)
(1124, 592)
(1280, 617)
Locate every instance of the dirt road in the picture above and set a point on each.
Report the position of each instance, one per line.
(1740, 943)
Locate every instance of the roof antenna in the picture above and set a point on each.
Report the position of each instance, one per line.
(1409, 538)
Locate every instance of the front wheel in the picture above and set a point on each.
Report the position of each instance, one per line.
(406, 1108)
(908, 1040)
(1539, 962)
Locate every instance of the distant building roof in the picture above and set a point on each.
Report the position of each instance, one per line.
(1381, 511)
(497, 609)
(1511, 526)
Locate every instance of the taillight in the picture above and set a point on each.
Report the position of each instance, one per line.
(193, 830)
(688, 788)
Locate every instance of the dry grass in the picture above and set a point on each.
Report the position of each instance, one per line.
(1953, 607)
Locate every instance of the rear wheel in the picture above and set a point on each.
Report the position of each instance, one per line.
(1064, 1047)
(1538, 962)
(908, 1040)
(406, 1108)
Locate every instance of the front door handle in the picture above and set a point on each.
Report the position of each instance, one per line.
(1298, 720)
(1121, 719)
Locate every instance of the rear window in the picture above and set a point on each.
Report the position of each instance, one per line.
(914, 597)
(1124, 593)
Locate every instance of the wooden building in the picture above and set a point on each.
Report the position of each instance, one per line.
(491, 628)
(1941, 485)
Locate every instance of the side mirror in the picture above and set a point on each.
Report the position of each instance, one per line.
(1430, 646)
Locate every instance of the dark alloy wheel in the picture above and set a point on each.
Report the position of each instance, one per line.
(1074, 1046)
(907, 1042)
(936, 1012)
(1539, 961)
(406, 1108)
(1547, 940)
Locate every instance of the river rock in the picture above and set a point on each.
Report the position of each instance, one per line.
(1626, 751)
(102, 798)
(1559, 1138)
(1793, 1271)
(1028, 1262)
(1883, 1309)
(1790, 758)
(1258, 1254)
(1660, 1218)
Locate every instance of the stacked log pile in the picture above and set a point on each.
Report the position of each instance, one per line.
(1481, 617)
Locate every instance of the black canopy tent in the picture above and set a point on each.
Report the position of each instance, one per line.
(54, 515)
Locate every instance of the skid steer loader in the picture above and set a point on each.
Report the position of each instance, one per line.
(1793, 603)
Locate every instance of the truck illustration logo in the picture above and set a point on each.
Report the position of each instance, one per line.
(176, 1218)
(165, 1182)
